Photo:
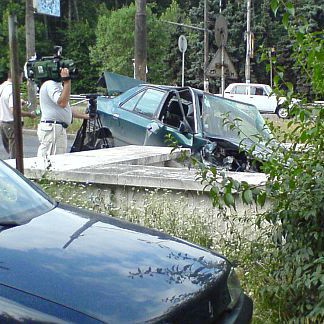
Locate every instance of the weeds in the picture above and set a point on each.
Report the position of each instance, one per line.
(233, 235)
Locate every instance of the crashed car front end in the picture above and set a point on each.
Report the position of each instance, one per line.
(237, 134)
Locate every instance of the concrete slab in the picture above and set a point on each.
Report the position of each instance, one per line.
(132, 166)
(130, 155)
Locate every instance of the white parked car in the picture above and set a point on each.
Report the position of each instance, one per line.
(259, 95)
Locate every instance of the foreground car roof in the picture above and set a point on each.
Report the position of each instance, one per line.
(70, 257)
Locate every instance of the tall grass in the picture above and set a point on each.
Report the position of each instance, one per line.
(233, 235)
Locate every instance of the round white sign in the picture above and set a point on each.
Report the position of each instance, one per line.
(182, 43)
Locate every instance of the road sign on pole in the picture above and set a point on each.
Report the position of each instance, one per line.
(182, 43)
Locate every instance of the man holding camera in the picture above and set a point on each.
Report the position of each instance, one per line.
(57, 115)
(7, 116)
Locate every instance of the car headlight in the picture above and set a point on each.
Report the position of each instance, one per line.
(234, 288)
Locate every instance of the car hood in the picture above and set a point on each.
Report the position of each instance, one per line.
(116, 83)
(106, 268)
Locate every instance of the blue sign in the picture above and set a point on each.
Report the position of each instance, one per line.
(48, 7)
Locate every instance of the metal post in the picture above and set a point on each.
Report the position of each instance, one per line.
(248, 43)
(206, 49)
(222, 59)
(223, 71)
(183, 65)
(16, 77)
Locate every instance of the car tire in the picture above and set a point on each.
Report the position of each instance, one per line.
(104, 143)
(282, 112)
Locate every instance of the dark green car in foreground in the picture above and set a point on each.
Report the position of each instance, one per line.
(221, 132)
(62, 264)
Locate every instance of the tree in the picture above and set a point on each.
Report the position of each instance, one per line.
(292, 246)
(115, 43)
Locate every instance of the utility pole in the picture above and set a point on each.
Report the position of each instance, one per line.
(140, 40)
(16, 76)
(30, 49)
(206, 48)
(248, 43)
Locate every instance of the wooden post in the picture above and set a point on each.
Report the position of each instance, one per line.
(16, 77)
(140, 40)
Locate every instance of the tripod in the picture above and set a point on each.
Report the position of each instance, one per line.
(92, 136)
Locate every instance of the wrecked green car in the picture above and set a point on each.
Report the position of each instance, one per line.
(219, 131)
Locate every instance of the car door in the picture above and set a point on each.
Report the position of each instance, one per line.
(259, 97)
(173, 128)
(159, 134)
(135, 116)
(239, 92)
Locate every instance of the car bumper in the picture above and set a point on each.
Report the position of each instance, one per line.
(240, 314)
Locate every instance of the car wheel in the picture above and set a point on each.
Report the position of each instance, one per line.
(104, 143)
(282, 112)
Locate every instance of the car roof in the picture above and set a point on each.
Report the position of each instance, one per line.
(251, 84)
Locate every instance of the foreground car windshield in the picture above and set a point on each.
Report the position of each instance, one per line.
(20, 199)
(246, 118)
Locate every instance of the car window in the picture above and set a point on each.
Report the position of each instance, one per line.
(257, 91)
(150, 101)
(239, 89)
(20, 199)
(131, 103)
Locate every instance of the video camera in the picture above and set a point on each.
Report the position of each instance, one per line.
(49, 67)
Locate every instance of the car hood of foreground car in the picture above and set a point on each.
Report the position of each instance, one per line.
(107, 269)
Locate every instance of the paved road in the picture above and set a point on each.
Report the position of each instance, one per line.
(30, 142)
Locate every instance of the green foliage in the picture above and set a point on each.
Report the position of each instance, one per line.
(79, 39)
(292, 249)
(114, 46)
(111, 38)
(115, 42)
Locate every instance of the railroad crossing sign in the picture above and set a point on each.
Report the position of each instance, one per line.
(214, 68)
(221, 31)
(221, 63)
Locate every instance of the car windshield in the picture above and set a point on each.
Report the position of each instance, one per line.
(20, 199)
(233, 120)
(268, 90)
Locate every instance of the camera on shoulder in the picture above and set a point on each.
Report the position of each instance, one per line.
(49, 67)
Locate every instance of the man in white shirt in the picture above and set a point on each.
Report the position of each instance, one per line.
(56, 115)
(7, 118)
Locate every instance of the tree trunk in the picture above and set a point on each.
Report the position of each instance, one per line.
(76, 10)
(69, 13)
(140, 40)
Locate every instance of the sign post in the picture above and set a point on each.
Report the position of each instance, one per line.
(182, 43)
